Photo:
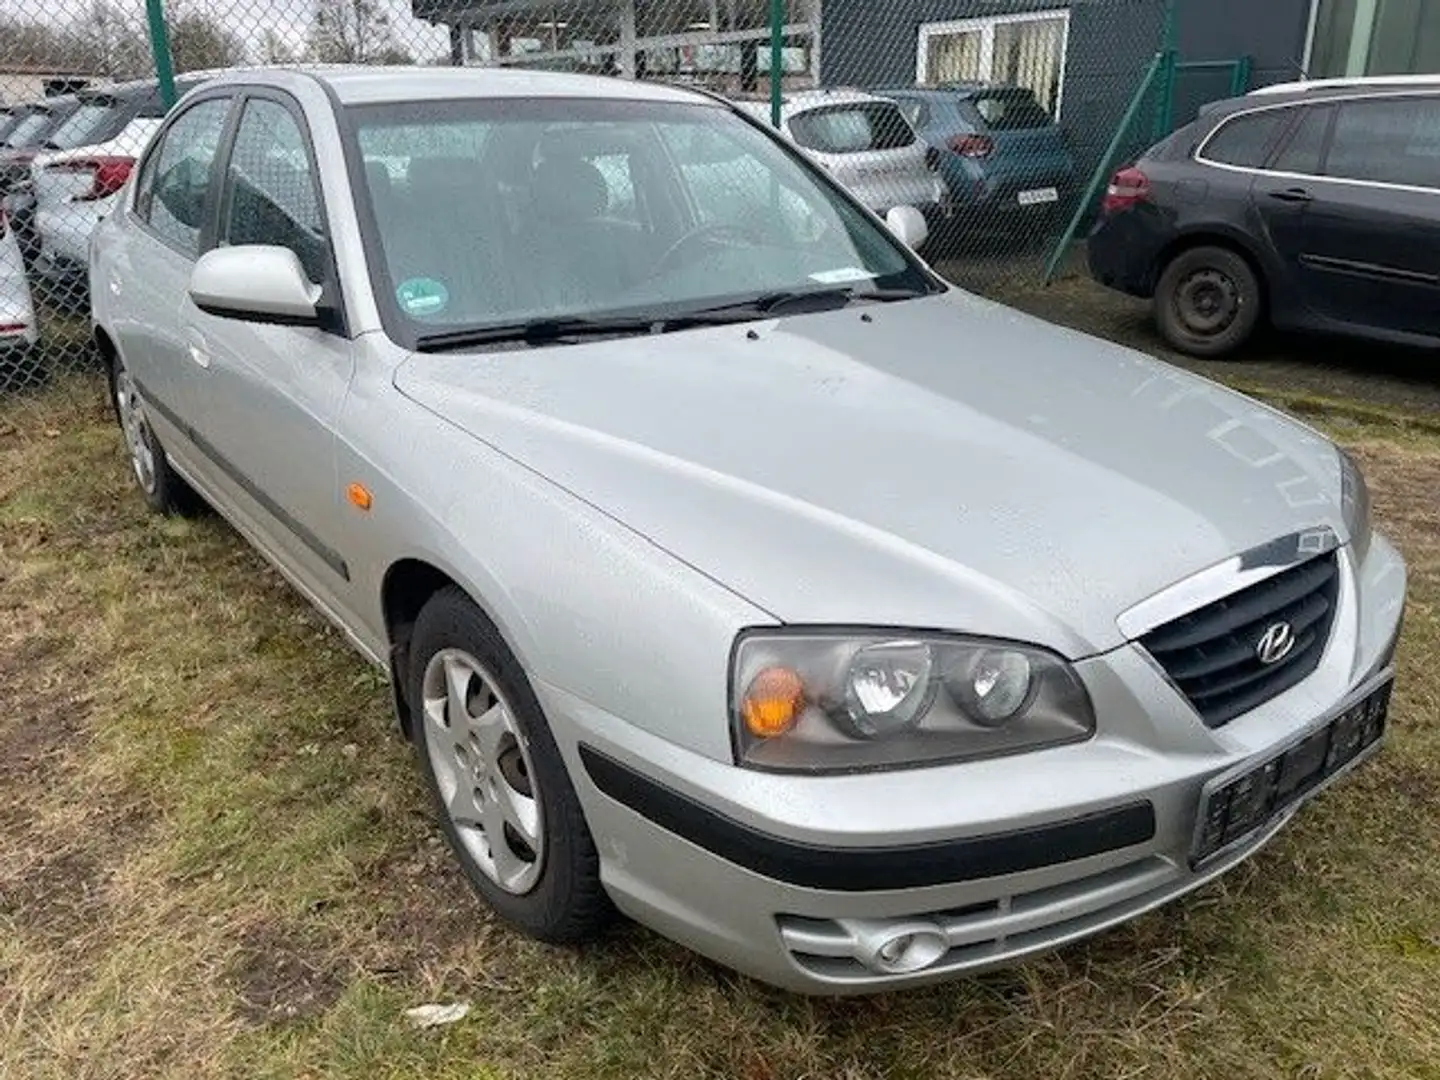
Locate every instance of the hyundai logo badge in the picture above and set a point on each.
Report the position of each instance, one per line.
(1276, 643)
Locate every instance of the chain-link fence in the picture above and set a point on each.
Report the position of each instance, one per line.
(998, 119)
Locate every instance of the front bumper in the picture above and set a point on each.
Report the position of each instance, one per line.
(799, 881)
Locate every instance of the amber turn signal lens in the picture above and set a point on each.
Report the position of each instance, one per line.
(773, 702)
(359, 496)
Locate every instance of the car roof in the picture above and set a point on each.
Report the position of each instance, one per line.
(364, 85)
(1360, 82)
(1317, 90)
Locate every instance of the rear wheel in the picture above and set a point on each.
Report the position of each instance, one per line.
(162, 487)
(1208, 301)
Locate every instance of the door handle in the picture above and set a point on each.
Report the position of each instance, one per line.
(1293, 195)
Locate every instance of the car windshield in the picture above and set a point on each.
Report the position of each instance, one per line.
(86, 125)
(27, 131)
(499, 212)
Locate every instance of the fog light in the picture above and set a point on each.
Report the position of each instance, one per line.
(897, 948)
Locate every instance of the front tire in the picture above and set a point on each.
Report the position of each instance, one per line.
(165, 492)
(507, 807)
(1208, 302)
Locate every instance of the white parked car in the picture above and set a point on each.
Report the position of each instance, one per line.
(77, 179)
(17, 313)
(865, 143)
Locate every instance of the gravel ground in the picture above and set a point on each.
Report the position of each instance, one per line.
(1396, 379)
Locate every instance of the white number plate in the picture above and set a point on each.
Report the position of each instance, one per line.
(1036, 196)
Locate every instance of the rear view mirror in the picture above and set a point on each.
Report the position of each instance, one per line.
(255, 283)
(908, 225)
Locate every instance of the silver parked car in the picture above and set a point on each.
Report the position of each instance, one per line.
(728, 566)
(866, 143)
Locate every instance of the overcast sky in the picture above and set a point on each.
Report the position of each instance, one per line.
(251, 18)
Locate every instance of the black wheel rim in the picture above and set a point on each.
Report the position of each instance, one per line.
(1207, 302)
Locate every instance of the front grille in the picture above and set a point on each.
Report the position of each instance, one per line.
(1212, 654)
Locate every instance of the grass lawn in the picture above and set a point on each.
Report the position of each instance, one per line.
(216, 858)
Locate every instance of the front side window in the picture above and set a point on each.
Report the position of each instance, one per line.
(492, 213)
(271, 195)
(1246, 140)
(176, 185)
(852, 129)
(1390, 141)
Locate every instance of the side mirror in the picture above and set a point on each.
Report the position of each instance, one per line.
(255, 283)
(908, 225)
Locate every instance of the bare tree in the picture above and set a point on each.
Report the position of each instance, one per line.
(274, 49)
(198, 42)
(111, 42)
(352, 32)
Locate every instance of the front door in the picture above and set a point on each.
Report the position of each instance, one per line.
(270, 395)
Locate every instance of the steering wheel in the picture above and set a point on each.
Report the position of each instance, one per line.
(715, 230)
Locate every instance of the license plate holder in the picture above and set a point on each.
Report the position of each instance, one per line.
(1039, 196)
(1243, 801)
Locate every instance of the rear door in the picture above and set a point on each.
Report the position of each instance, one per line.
(146, 273)
(1352, 203)
(1369, 238)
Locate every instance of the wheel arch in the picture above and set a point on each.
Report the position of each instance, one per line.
(407, 586)
(1212, 236)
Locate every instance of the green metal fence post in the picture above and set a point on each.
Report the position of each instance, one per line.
(777, 58)
(1102, 170)
(1240, 81)
(1165, 103)
(160, 48)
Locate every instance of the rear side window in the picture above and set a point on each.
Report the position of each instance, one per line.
(1246, 140)
(1010, 110)
(852, 129)
(1388, 141)
(1305, 148)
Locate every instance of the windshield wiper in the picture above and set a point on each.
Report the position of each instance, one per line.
(555, 331)
(778, 302)
(539, 332)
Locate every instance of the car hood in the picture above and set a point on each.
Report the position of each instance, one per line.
(943, 463)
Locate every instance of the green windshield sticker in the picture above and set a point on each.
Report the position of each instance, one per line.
(422, 296)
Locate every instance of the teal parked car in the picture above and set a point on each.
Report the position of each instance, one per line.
(1003, 157)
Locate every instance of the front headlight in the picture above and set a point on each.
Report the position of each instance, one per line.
(838, 701)
(1355, 505)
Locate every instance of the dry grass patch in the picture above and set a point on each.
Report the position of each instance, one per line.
(216, 859)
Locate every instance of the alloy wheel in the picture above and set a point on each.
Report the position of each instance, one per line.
(483, 769)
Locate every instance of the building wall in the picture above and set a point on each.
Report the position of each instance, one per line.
(1111, 43)
(1271, 34)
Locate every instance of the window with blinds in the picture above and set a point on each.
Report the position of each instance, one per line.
(1021, 50)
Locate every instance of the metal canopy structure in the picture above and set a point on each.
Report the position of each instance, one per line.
(720, 43)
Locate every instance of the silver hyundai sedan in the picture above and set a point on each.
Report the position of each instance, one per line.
(730, 569)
